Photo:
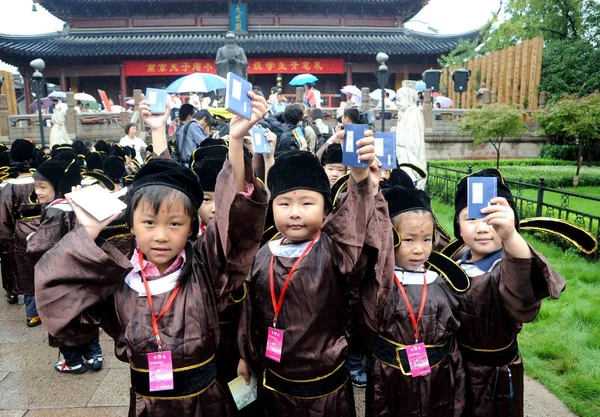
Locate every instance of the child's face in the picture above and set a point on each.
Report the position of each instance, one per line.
(334, 172)
(416, 234)
(207, 209)
(44, 191)
(299, 214)
(163, 235)
(480, 237)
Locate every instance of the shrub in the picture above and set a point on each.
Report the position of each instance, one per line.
(562, 152)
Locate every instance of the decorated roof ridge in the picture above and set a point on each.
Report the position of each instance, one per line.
(208, 31)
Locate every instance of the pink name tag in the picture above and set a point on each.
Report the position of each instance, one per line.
(274, 344)
(160, 366)
(418, 360)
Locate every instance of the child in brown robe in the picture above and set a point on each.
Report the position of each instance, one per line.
(291, 332)
(509, 280)
(78, 343)
(161, 306)
(422, 313)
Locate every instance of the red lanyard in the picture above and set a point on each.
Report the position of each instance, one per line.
(149, 297)
(277, 304)
(415, 322)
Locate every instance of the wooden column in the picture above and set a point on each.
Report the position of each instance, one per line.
(348, 73)
(27, 85)
(123, 88)
(63, 81)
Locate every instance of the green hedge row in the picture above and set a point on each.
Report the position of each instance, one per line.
(555, 175)
(491, 163)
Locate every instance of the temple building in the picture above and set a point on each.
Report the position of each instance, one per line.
(118, 46)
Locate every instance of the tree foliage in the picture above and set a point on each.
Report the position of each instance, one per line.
(492, 124)
(575, 118)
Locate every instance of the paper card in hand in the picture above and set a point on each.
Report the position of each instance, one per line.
(385, 149)
(259, 140)
(157, 100)
(97, 201)
(479, 193)
(352, 134)
(236, 98)
(243, 394)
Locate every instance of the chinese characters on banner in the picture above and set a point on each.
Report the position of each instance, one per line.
(255, 66)
(238, 17)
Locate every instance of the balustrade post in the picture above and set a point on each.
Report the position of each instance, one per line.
(540, 197)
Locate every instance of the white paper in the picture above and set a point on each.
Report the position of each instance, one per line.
(97, 201)
(243, 394)
(349, 141)
(477, 193)
(236, 89)
(152, 97)
(258, 138)
(379, 147)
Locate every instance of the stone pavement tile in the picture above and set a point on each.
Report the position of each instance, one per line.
(108, 353)
(104, 336)
(114, 389)
(39, 389)
(80, 412)
(359, 401)
(12, 413)
(27, 357)
(16, 331)
(3, 375)
(539, 402)
(11, 311)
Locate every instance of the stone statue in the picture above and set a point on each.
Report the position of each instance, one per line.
(231, 58)
(410, 131)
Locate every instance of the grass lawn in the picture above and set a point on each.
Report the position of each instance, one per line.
(579, 204)
(561, 347)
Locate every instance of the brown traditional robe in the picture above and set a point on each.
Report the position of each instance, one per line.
(313, 314)
(19, 217)
(393, 392)
(77, 275)
(492, 314)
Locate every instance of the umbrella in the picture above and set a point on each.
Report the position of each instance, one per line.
(445, 102)
(84, 97)
(303, 79)
(57, 94)
(436, 94)
(197, 82)
(421, 86)
(130, 102)
(376, 95)
(46, 103)
(353, 90)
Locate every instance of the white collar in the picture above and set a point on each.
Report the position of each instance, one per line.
(292, 250)
(23, 180)
(120, 193)
(157, 286)
(415, 277)
(60, 205)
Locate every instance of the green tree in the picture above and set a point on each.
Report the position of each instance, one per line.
(492, 124)
(574, 118)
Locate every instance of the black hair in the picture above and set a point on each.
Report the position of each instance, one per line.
(274, 89)
(37, 176)
(352, 114)
(316, 113)
(154, 196)
(186, 111)
(293, 114)
(309, 85)
(204, 114)
(128, 127)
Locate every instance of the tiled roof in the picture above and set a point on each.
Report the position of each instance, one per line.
(101, 45)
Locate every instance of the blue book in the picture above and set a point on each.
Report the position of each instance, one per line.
(352, 134)
(157, 100)
(385, 149)
(259, 140)
(236, 98)
(480, 190)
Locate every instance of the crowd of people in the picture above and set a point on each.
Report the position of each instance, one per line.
(287, 266)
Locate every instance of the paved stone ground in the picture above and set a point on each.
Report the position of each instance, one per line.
(30, 387)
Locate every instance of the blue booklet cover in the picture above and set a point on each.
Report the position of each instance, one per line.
(157, 100)
(385, 149)
(480, 190)
(236, 98)
(259, 140)
(352, 134)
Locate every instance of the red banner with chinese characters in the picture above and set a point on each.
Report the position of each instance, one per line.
(161, 67)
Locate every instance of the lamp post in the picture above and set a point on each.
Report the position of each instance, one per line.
(38, 78)
(382, 77)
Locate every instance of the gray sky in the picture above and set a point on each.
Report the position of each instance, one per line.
(447, 16)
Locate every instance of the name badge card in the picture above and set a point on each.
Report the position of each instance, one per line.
(160, 366)
(274, 344)
(418, 360)
(479, 193)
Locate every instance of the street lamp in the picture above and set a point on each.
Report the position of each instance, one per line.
(383, 76)
(38, 78)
